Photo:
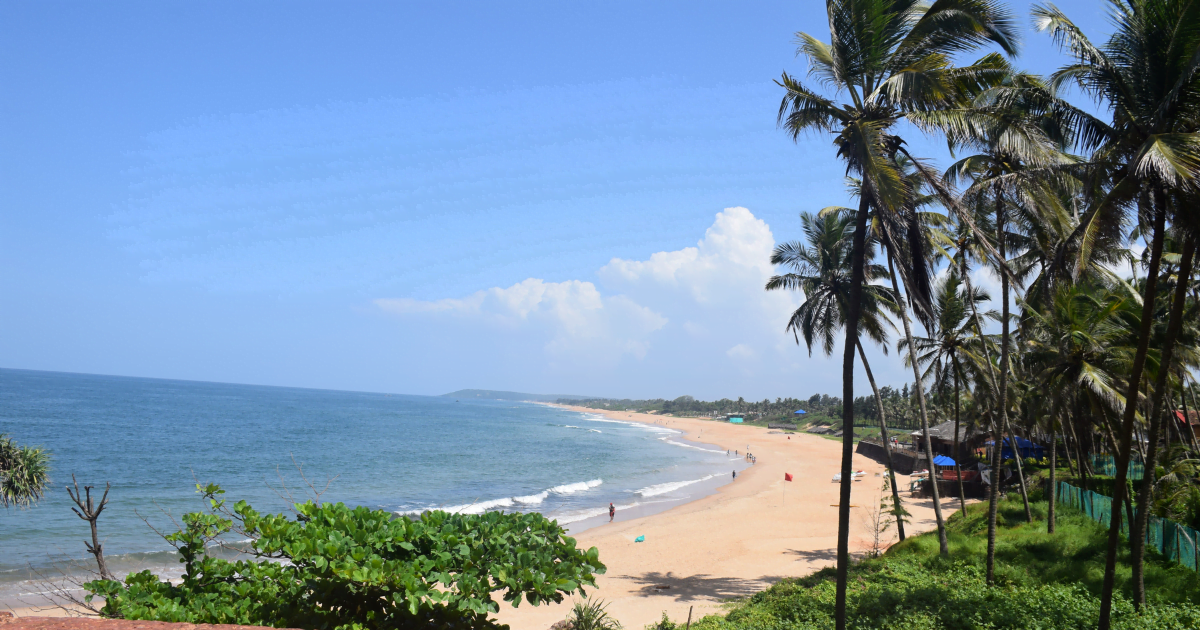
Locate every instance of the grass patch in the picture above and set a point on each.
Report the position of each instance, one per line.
(1043, 581)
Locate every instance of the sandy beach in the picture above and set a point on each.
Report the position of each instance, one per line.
(749, 534)
(742, 538)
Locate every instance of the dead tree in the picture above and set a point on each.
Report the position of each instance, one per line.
(90, 513)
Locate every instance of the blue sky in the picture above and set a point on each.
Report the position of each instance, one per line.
(415, 198)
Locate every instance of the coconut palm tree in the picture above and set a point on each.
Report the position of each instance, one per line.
(24, 472)
(954, 336)
(889, 58)
(821, 268)
(1148, 74)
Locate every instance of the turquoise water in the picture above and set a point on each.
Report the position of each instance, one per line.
(153, 439)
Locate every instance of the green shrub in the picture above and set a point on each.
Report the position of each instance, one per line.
(592, 615)
(903, 594)
(663, 624)
(1042, 581)
(337, 567)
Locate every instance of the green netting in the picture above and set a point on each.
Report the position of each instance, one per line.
(1107, 465)
(1174, 541)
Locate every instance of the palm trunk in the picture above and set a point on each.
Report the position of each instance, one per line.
(1183, 391)
(1131, 401)
(887, 446)
(962, 495)
(912, 355)
(854, 310)
(994, 462)
(1138, 528)
(1187, 418)
(1052, 495)
(1004, 341)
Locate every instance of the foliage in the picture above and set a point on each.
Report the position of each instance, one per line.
(819, 407)
(663, 624)
(332, 566)
(24, 473)
(1043, 581)
(592, 614)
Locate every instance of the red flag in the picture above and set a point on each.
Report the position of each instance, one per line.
(787, 476)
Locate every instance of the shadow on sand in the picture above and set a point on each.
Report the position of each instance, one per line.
(687, 588)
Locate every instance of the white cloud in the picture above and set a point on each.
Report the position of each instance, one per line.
(578, 318)
(736, 248)
(740, 351)
(700, 312)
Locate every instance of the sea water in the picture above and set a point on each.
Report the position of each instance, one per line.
(154, 440)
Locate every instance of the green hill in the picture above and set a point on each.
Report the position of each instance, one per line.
(489, 394)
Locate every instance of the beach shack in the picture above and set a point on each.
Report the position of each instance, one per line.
(735, 418)
(1189, 422)
(941, 441)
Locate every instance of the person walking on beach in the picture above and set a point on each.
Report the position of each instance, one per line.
(612, 511)
(735, 474)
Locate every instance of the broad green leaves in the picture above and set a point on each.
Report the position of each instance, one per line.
(333, 566)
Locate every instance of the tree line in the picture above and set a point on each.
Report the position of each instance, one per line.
(1097, 339)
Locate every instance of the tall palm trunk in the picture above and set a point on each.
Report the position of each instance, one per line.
(1137, 529)
(1052, 494)
(1131, 401)
(962, 495)
(1187, 417)
(887, 446)
(912, 355)
(994, 461)
(854, 311)
(1004, 341)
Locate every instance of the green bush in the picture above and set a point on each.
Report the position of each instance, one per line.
(337, 567)
(1042, 581)
(903, 594)
(592, 615)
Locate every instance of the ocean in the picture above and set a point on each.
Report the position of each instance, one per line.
(154, 440)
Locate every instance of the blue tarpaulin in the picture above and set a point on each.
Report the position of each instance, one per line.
(799, 411)
(1025, 447)
(942, 460)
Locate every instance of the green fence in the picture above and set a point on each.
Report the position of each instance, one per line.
(1107, 465)
(1174, 541)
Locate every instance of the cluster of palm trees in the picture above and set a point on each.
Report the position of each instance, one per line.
(1051, 199)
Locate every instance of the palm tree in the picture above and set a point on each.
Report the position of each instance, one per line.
(1166, 363)
(954, 336)
(890, 57)
(822, 270)
(1148, 73)
(24, 472)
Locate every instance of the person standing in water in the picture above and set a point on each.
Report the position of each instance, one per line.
(612, 511)
(735, 474)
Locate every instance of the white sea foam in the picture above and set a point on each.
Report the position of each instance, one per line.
(579, 486)
(663, 488)
(532, 499)
(698, 448)
(479, 507)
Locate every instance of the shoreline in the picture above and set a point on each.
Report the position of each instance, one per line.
(728, 539)
(737, 540)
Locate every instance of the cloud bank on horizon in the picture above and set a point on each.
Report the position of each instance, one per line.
(700, 310)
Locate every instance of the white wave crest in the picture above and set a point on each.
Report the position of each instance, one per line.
(698, 448)
(479, 507)
(579, 486)
(663, 488)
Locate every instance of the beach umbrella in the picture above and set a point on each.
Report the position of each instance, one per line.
(799, 411)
